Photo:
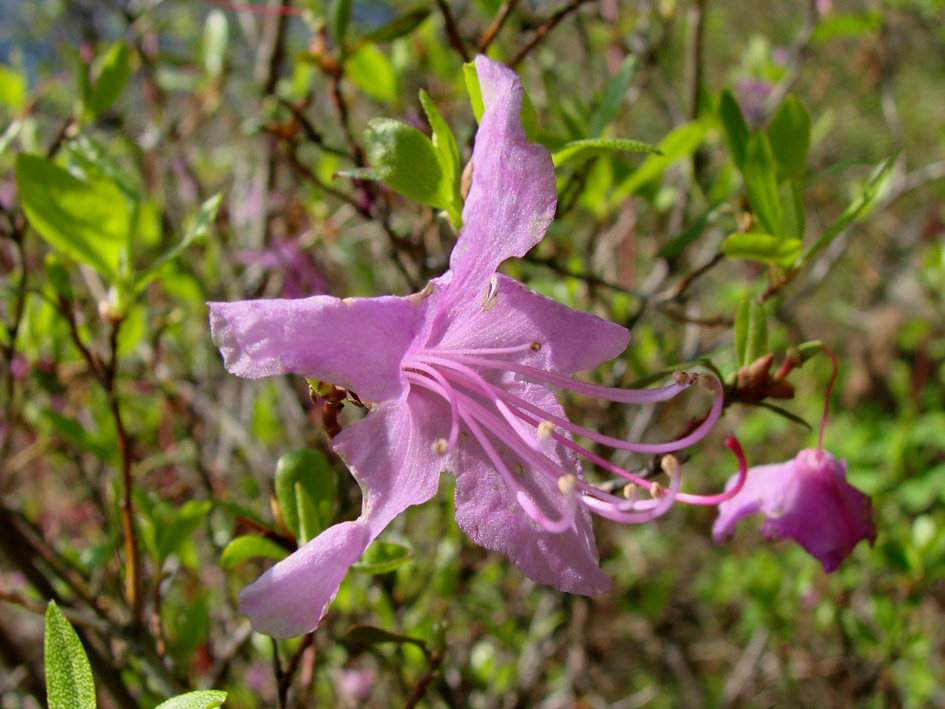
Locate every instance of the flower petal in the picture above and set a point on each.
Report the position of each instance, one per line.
(507, 313)
(512, 197)
(291, 597)
(357, 343)
(487, 511)
(390, 454)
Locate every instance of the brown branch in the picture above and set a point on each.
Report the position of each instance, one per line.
(452, 32)
(285, 681)
(544, 29)
(493, 29)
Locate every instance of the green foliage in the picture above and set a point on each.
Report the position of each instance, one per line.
(305, 491)
(69, 683)
(383, 557)
(763, 247)
(751, 332)
(202, 699)
(248, 547)
(111, 76)
(580, 150)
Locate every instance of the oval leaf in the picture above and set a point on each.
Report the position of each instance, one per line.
(250, 547)
(407, 162)
(763, 247)
(203, 699)
(114, 74)
(761, 183)
(88, 222)
(305, 492)
(69, 683)
(383, 557)
(789, 133)
(751, 331)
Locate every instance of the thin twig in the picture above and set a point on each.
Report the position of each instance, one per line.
(544, 29)
(452, 32)
(493, 29)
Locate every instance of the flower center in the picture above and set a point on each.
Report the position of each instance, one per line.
(491, 414)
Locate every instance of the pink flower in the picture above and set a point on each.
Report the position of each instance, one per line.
(807, 499)
(459, 378)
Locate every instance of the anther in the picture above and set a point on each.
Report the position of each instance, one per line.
(567, 484)
(670, 465)
(545, 429)
(707, 382)
(517, 469)
(535, 346)
(440, 446)
(656, 491)
(681, 378)
(629, 491)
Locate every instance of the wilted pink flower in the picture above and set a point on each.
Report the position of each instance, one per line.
(807, 499)
(457, 377)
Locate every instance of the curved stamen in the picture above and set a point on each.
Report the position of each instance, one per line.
(490, 392)
(732, 444)
(612, 511)
(698, 434)
(622, 396)
(533, 346)
(450, 396)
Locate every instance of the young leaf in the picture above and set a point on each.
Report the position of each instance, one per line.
(734, 128)
(383, 557)
(398, 27)
(578, 150)
(371, 71)
(216, 36)
(762, 247)
(201, 699)
(877, 180)
(761, 183)
(12, 88)
(250, 546)
(205, 216)
(681, 142)
(88, 222)
(69, 683)
(339, 13)
(751, 332)
(472, 87)
(305, 491)
(114, 74)
(184, 524)
(407, 162)
(795, 219)
(369, 635)
(447, 152)
(789, 134)
(613, 96)
(359, 173)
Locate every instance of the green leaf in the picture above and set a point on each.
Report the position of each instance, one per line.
(216, 37)
(578, 150)
(305, 492)
(688, 235)
(250, 546)
(339, 13)
(762, 247)
(371, 71)
(58, 276)
(751, 331)
(88, 222)
(761, 183)
(184, 524)
(789, 135)
(795, 218)
(369, 635)
(9, 135)
(69, 683)
(790, 416)
(614, 92)
(680, 142)
(529, 117)
(443, 139)
(383, 557)
(809, 349)
(205, 216)
(475, 92)
(112, 78)
(398, 27)
(877, 181)
(202, 699)
(734, 128)
(12, 88)
(407, 162)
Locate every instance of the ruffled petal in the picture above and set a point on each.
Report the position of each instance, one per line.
(487, 511)
(512, 197)
(291, 597)
(506, 313)
(767, 488)
(357, 343)
(389, 454)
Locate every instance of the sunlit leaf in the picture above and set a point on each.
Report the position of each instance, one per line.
(69, 683)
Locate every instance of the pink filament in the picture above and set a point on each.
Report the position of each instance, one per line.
(823, 421)
(733, 445)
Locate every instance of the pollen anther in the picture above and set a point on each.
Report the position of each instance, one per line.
(657, 491)
(440, 446)
(545, 429)
(567, 484)
(670, 465)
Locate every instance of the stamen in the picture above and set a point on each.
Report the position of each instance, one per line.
(670, 465)
(545, 429)
(732, 444)
(440, 446)
(630, 492)
(447, 393)
(567, 484)
(623, 396)
(656, 490)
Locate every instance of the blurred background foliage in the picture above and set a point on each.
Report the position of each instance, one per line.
(156, 154)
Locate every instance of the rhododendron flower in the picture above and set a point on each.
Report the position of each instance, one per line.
(458, 378)
(807, 499)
